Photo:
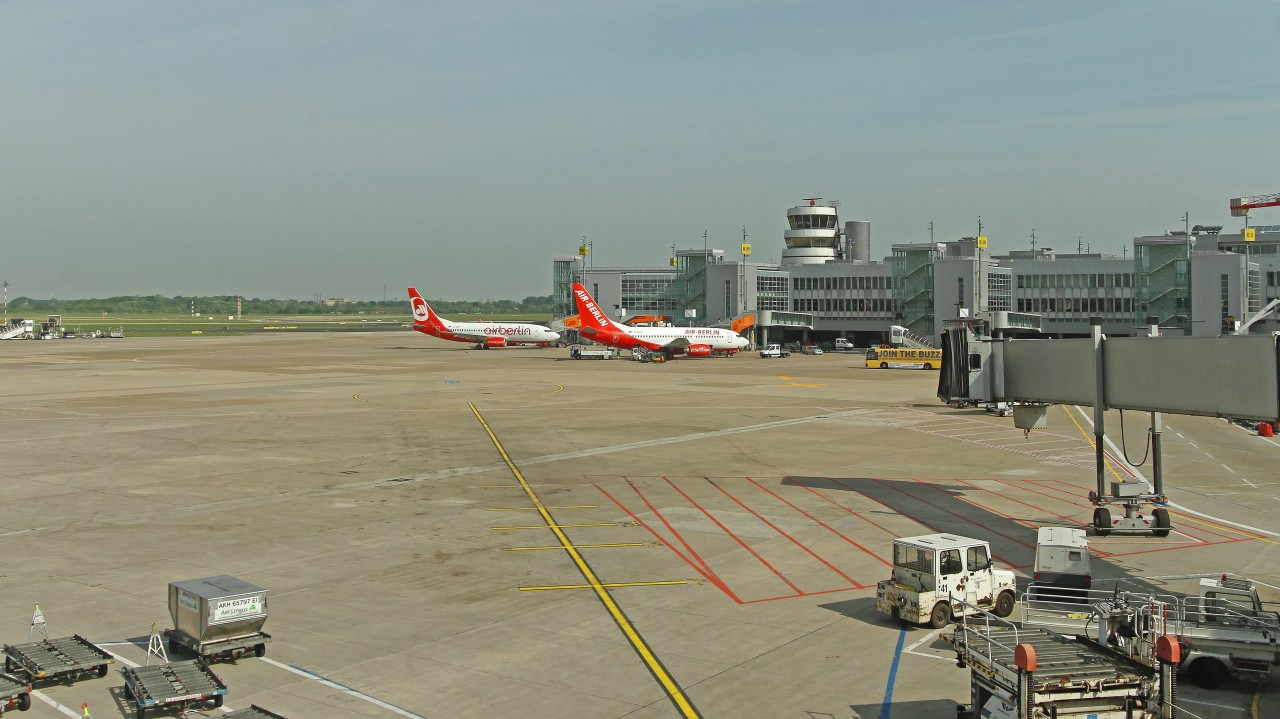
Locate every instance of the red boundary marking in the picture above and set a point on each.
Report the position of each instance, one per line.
(1185, 546)
(709, 573)
(1006, 562)
(873, 523)
(735, 537)
(1181, 530)
(826, 526)
(1063, 517)
(790, 538)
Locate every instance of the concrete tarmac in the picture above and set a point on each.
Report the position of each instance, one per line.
(446, 532)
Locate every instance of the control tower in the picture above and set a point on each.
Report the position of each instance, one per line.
(813, 234)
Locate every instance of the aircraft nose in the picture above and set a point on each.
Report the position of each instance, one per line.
(554, 335)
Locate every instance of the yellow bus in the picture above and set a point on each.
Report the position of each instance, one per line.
(903, 358)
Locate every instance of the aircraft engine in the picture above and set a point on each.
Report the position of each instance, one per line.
(495, 341)
(699, 350)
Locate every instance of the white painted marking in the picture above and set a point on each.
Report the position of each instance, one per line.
(1184, 700)
(1230, 470)
(64, 709)
(333, 685)
(927, 638)
(1251, 484)
(1193, 444)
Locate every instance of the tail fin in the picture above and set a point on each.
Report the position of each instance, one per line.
(590, 314)
(422, 314)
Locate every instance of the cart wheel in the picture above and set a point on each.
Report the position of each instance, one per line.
(174, 646)
(217, 700)
(1101, 521)
(102, 670)
(8, 664)
(260, 650)
(1161, 515)
(24, 702)
(128, 693)
(142, 712)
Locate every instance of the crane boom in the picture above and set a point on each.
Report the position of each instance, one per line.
(1240, 206)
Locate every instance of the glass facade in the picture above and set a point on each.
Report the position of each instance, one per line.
(913, 287)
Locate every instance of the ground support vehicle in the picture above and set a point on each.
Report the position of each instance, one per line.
(900, 358)
(937, 577)
(1224, 632)
(842, 343)
(773, 351)
(15, 693)
(1033, 673)
(61, 658)
(253, 712)
(218, 616)
(1132, 496)
(176, 684)
(1062, 561)
(581, 352)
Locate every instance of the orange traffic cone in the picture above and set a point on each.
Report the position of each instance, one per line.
(1265, 430)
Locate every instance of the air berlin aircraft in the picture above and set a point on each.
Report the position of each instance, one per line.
(483, 335)
(670, 341)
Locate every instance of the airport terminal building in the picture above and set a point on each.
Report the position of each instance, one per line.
(827, 286)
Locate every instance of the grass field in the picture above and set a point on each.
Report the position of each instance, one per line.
(170, 325)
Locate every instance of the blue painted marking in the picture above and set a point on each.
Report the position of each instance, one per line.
(452, 381)
(893, 674)
(685, 379)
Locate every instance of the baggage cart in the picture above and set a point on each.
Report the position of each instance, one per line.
(71, 657)
(15, 693)
(172, 685)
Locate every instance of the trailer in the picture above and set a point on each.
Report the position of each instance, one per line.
(15, 693)
(71, 657)
(172, 685)
(253, 712)
(584, 352)
(1033, 673)
(218, 616)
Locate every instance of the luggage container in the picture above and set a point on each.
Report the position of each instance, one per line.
(218, 616)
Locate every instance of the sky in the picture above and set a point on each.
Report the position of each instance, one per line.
(352, 149)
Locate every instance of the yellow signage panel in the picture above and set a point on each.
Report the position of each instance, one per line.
(1248, 234)
(746, 248)
(982, 242)
(582, 250)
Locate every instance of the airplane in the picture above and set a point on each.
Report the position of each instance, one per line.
(484, 335)
(666, 341)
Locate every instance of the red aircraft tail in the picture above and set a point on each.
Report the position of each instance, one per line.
(422, 313)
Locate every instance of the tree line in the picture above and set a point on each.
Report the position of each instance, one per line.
(226, 305)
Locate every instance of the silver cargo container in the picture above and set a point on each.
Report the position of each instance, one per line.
(217, 608)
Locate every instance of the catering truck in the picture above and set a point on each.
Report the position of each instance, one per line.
(937, 577)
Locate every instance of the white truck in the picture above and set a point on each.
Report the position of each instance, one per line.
(937, 577)
(842, 343)
(1061, 566)
(774, 351)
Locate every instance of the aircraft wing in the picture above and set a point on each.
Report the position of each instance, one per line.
(679, 343)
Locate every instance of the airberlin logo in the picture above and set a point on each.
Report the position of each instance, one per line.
(591, 307)
(419, 309)
(520, 330)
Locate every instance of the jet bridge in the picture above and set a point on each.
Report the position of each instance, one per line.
(1235, 376)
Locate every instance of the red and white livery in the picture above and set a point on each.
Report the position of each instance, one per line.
(484, 335)
(669, 341)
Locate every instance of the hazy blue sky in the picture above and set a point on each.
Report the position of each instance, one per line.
(287, 149)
